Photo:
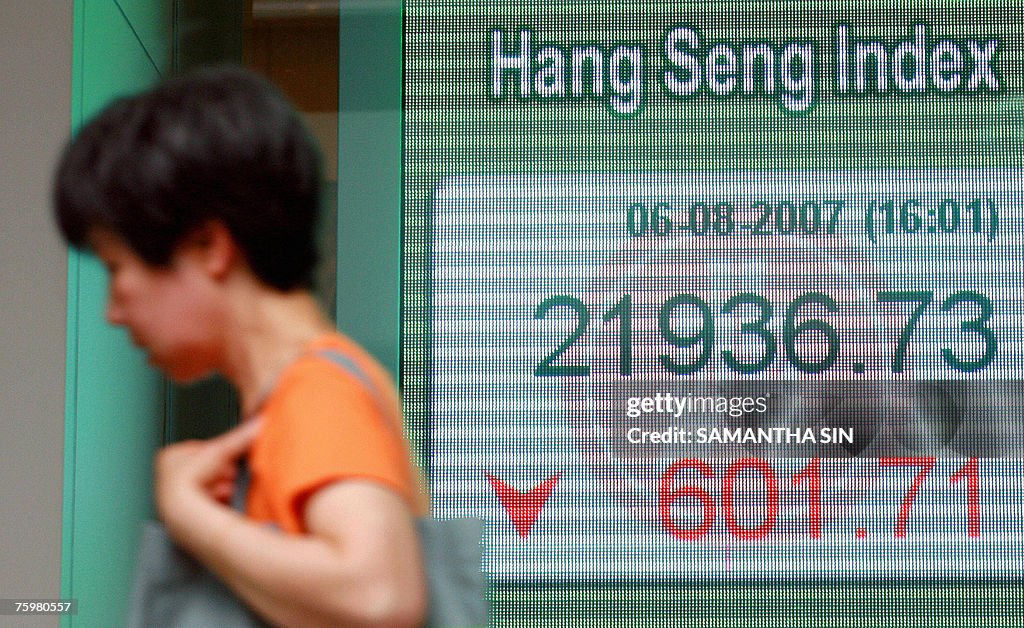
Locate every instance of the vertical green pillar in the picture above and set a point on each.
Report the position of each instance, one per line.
(114, 408)
(370, 176)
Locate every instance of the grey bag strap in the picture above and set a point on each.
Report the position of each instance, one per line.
(452, 551)
(241, 486)
(349, 365)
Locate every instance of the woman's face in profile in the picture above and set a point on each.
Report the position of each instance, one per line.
(167, 310)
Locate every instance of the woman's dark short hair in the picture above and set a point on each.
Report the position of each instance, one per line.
(220, 144)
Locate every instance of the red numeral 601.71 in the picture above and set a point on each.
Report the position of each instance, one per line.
(673, 490)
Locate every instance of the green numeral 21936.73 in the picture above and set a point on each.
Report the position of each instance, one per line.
(798, 329)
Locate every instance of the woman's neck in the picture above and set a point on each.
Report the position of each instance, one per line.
(269, 333)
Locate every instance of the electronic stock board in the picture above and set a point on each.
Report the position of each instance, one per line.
(724, 291)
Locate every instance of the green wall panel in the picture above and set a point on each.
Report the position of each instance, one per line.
(368, 230)
(114, 402)
(150, 22)
(113, 59)
(370, 178)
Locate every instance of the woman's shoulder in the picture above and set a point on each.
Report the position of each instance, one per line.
(335, 364)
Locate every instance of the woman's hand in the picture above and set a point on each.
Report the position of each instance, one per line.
(193, 476)
(359, 563)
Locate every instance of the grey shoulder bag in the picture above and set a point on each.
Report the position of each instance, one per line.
(173, 589)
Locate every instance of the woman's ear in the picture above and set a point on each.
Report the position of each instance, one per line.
(214, 248)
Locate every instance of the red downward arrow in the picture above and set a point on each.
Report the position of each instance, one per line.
(523, 508)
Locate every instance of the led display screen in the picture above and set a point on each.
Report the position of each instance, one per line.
(718, 291)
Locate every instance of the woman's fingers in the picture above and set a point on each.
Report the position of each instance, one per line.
(230, 445)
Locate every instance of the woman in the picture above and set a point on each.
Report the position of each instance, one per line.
(201, 199)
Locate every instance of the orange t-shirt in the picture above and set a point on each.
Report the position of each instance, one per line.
(322, 424)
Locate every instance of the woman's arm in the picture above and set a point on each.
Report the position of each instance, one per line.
(359, 565)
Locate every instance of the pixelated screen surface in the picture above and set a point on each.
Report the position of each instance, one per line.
(718, 292)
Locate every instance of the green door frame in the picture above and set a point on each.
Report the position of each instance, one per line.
(114, 403)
